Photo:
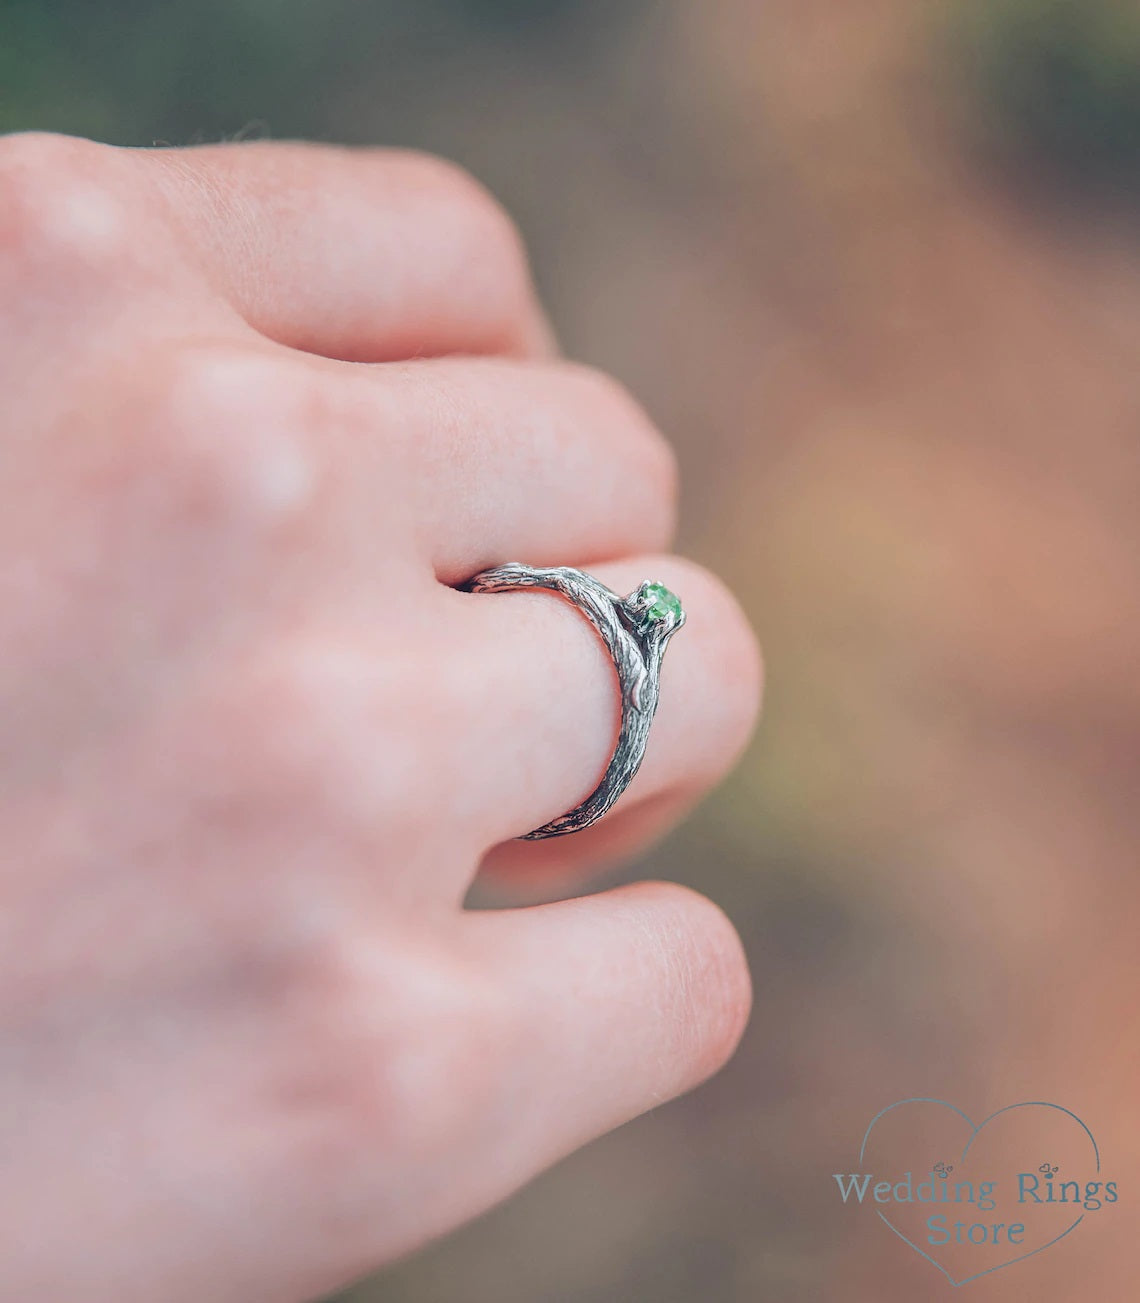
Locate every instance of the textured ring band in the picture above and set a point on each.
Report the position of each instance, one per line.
(635, 629)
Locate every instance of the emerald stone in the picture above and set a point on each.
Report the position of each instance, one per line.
(662, 603)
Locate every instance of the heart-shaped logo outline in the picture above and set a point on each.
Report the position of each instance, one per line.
(975, 1131)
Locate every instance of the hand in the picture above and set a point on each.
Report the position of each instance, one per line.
(255, 746)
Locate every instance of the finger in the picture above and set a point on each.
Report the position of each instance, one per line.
(565, 1021)
(629, 998)
(538, 725)
(85, 261)
(364, 255)
(502, 459)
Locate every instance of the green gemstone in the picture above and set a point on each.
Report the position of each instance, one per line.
(662, 603)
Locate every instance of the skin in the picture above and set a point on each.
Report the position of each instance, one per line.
(264, 405)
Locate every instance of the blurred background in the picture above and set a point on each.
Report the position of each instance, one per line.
(874, 265)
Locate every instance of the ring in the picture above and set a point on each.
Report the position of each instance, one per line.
(635, 630)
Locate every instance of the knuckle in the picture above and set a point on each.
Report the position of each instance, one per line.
(63, 206)
(397, 1021)
(195, 481)
(38, 163)
(457, 189)
(729, 665)
(326, 738)
(227, 430)
(223, 382)
(490, 250)
(739, 661)
(652, 463)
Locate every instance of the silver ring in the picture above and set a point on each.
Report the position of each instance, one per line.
(635, 629)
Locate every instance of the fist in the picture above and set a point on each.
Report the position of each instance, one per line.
(266, 406)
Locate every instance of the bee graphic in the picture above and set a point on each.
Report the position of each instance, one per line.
(943, 1169)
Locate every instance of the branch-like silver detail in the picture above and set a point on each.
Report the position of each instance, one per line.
(635, 629)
